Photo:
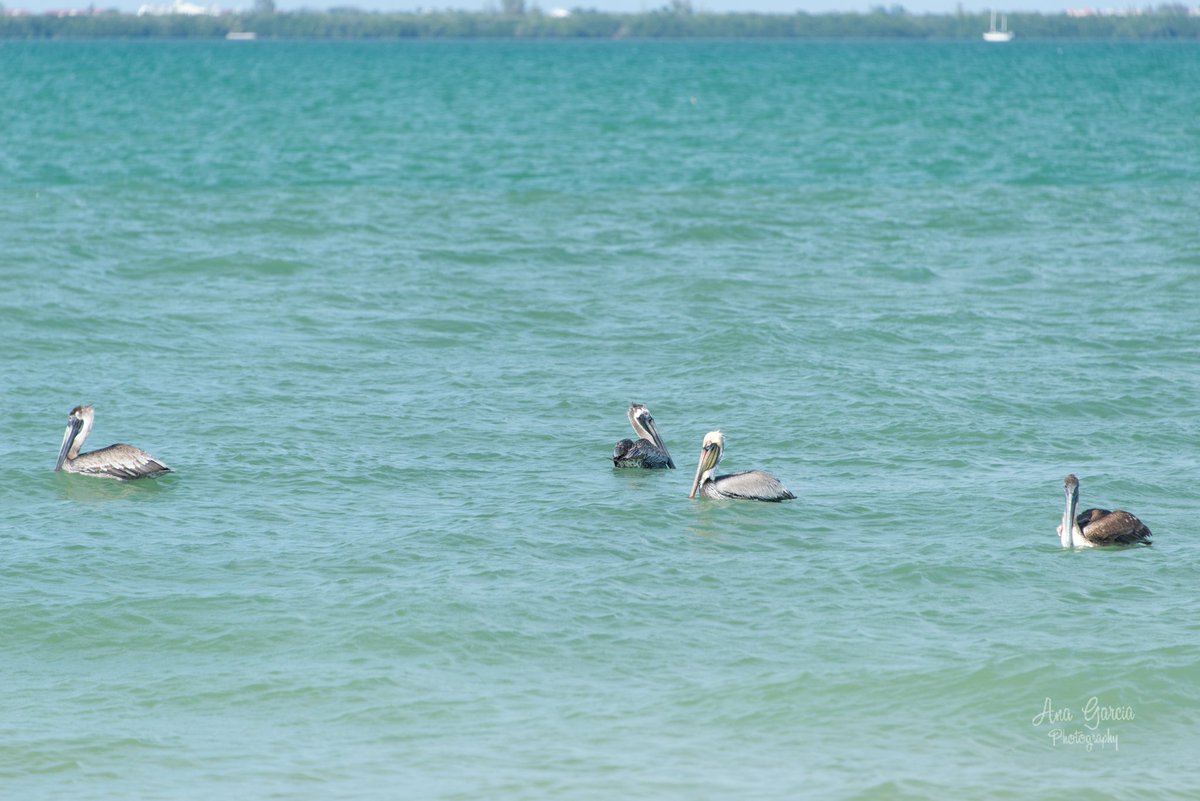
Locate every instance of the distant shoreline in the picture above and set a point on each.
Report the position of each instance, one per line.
(1167, 23)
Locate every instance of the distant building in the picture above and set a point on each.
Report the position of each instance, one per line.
(179, 7)
(559, 13)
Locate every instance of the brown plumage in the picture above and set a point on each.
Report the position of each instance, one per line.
(649, 451)
(1098, 527)
(1103, 527)
(116, 461)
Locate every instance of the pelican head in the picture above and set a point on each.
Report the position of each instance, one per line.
(643, 426)
(1071, 490)
(79, 425)
(710, 455)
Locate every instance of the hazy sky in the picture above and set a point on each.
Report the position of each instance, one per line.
(719, 6)
(791, 6)
(618, 6)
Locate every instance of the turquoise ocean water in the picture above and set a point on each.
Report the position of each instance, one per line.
(382, 307)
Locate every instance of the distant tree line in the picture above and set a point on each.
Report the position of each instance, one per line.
(676, 20)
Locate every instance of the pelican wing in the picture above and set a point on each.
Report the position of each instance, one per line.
(1089, 516)
(621, 451)
(118, 461)
(751, 485)
(651, 455)
(1114, 528)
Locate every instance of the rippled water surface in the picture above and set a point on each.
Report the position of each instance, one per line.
(382, 307)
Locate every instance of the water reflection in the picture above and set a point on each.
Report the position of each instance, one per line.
(90, 489)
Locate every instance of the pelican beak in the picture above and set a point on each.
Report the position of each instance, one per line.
(1068, 522)
(708, 460)
(73, 426)
(652, 430)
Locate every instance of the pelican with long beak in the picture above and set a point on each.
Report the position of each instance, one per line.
(116, 461)
(1097, 527)
(749, 485)
(649, 451)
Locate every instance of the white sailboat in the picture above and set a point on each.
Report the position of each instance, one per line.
(1002, 35)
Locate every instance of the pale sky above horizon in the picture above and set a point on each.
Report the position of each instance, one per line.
(613, 6)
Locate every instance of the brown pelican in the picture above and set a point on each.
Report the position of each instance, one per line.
(750, 485)
(115, 461)
(1097, 527)
(648, 451)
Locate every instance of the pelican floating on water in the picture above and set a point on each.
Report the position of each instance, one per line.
(749, 485)
(648, 451)
(115, 461)
(1097, 527)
